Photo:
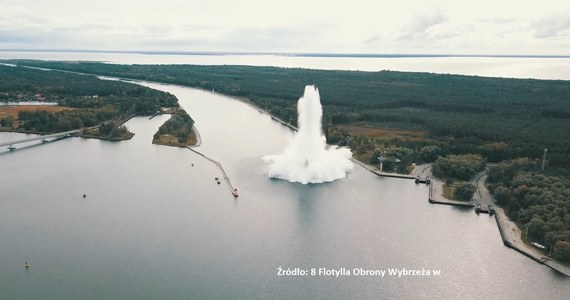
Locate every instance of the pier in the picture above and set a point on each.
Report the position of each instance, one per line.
(395, 175)
(224, 175)
(43, 138)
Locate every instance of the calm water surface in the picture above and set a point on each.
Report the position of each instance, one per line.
(154, 227)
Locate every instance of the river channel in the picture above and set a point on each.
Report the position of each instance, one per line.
(155, 225)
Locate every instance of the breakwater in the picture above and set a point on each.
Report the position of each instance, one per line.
(232, 189)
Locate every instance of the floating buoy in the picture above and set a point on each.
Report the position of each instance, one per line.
(216, 178)
(218, 182)
(84, 195)
(192, 165)
(27, 265)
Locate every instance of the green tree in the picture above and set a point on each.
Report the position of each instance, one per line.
(562, 251)
(458, 166)
(6, 122)
(106, 127)
(430, 153)
(502, 195)
(464, 191)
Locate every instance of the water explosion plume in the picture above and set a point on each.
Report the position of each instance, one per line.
(307, 158)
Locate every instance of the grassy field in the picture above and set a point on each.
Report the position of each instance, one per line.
(13, 110)
(385, 133)
(170, 140)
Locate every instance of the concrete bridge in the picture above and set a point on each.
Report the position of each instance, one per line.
(43, 138)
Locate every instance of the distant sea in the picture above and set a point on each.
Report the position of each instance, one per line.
(538, 67)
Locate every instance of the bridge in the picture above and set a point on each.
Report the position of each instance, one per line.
(43, 138)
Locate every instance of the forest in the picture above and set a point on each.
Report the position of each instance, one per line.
(498, 118)
(538, 201)
(458, 166)
(88, 101)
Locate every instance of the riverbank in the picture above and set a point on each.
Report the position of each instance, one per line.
(276, 119)
(512, 238)
(86, 132)
(511, 234)
(246, 101)
(93, 132)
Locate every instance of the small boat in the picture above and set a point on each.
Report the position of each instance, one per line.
(84, 195)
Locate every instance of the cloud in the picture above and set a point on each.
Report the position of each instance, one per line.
(288, 26)
(419, 27)
(552, 26)
(497, 21)
(373, 39)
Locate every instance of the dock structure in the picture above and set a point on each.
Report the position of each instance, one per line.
(484, 208)
(232, 189)
(43, 138)
(482, 202)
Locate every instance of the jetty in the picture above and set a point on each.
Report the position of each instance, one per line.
(232, 189)
(516, 243)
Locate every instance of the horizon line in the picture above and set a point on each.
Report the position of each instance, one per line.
(299, 54)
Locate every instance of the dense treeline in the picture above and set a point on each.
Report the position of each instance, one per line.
(179, 126)
(43, 121)
(495, 117)
(94, 100)
(463, 167)
(464, 191)
(538, 201)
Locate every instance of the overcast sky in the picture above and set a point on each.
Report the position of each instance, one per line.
(349, 26)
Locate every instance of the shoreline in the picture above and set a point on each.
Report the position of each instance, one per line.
(81, 130)
(511, 234)
(179, 145)
(510, 239)
(195, 133)
(358, 162)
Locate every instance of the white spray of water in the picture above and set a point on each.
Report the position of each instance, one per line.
(307, 158)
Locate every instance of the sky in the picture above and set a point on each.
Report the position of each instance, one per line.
(487, 27)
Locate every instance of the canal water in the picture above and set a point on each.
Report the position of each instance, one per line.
(155, 227)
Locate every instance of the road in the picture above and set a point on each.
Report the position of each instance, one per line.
(37, 138)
